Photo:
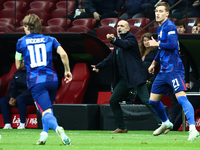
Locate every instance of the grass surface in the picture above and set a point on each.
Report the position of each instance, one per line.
(98, 140)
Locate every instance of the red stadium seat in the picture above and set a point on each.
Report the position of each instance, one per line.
(58, 13)
(41, 14)
(135, 29)
(20, 29)
(4, 87)
(10, 13)
(87, 22)
(191, 21)
(79, 29)
(11, 21)
(107, 21)
(172, 19)
(5, 81)
(102, 31)
(21, 6)
(53, 1)
(74, 91)
(4, 29)
(46, 6)
(61, 22)
(53, 29)
(69, 6)
(153, 29)
(139, 22)
(27, 1)
(1, 4)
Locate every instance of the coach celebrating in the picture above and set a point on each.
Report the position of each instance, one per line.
(128, 72)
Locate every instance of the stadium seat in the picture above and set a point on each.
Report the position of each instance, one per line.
(6, 27)
(59, 13)
(139, 22)
(87, 22)
(41, 14)
(4, 87)
(74, 91)
(53, 1)
(135, 29)
(153, 29)
(103, 98)
(69, 6)
(20, 29)
(46, 6)
(5, 81)
(1, 4)
(61, 22)
(172, 19)
(27, 1)
(53, 29)
(102, 31)
(21, 6)
(10, 13)
(11, 21)
(78, 29)
(108, 21)
(191, 21)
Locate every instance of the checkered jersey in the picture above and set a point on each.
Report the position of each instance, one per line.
(36, 50)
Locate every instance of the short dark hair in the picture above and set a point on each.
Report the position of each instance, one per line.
(166, 5)
(179, 23)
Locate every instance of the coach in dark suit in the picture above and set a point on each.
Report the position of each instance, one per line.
(128, 72)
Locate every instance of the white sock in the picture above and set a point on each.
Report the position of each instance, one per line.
(192, 127)
(166, 123)
(44, 133)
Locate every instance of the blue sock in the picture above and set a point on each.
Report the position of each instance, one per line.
(159, 109)
(188, 109)
(45, 126)
(50, 120)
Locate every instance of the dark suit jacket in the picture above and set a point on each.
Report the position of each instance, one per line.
(130, 58)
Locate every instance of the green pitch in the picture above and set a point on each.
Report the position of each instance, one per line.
(97, 140)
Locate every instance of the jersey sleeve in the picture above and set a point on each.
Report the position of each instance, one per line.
(157, 56)
(172, 39)
(55, 43)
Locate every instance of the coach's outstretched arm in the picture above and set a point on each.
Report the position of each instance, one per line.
(65, 61)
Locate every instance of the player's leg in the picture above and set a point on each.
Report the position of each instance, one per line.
(59, 130)
(159, 87)
(189, 112)
(43, 103)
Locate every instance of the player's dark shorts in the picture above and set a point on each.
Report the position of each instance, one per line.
(165, 82)
(44, 95)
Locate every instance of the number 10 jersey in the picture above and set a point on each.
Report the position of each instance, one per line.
(36, 50)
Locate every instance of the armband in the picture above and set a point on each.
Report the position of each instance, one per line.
(18, 56)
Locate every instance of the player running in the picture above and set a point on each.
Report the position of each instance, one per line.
(36, 50)
(171, 75)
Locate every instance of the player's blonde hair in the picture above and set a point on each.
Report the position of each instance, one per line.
(34, 23)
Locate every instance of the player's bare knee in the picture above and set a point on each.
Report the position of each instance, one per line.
(46, 111)
(181, 93)
(155, 97)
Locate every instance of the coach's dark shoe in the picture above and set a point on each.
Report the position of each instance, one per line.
(119, 131)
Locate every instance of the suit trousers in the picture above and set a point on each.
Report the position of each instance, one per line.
(119, 93)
